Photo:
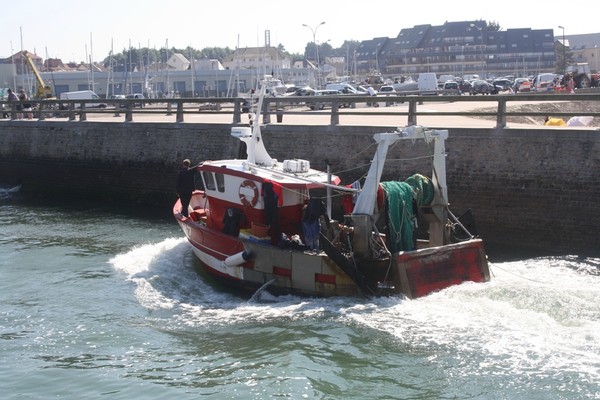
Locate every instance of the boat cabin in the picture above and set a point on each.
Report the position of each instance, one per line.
(255, 198)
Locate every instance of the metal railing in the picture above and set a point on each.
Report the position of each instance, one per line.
(75, 110)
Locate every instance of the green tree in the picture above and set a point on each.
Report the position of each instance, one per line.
(563, 56)
(493, 26)
(324, 50)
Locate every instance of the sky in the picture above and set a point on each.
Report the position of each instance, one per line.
(78, 31)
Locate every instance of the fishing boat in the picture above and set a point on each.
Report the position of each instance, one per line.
(259, 221)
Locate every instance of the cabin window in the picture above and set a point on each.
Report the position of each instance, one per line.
(209, 180)
(220, 182)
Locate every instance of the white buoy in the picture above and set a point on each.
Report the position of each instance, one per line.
(237, 259)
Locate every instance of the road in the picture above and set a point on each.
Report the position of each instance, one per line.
(383, 115)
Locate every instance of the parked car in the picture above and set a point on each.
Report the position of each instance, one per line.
(136, 96)
(341, 87)
(85, 95)
(502, 85)
(318, 105)
(479, 86)
(544, 82)
(117, 97)
(362, 90)
(303, 91)
(387, 90)
(465, 86)
(452, 88)
(522, 85)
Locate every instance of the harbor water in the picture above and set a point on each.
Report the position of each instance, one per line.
(101, 303)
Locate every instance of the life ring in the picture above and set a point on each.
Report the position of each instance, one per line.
(244, 198)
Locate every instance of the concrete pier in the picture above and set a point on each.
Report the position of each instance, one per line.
(526, 187)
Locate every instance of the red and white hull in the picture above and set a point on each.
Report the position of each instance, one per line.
(249, 262)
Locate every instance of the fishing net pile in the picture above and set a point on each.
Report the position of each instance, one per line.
(403, 199)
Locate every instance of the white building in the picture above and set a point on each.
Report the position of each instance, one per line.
(178, 62)
(266, 58)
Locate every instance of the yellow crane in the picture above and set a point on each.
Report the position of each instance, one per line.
(44, 91)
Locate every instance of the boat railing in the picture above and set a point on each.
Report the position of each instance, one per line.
(233, 109)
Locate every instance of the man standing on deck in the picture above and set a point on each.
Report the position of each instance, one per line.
(186, 185)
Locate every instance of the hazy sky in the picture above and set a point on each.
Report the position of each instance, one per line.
(74, 30)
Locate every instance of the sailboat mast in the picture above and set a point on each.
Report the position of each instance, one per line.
(12, 61)
(109, 74)
(167, 68)
(92, 84)
(22, 60)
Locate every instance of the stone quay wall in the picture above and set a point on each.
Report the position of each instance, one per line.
(534, 188)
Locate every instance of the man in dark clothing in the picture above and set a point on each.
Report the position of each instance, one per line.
(232, 221)
(272, 211)
(185, 185)
(310, 222)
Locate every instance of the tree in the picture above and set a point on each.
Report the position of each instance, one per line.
(561, 62)
(310, 51)
(493, 26)
(347, 49)
(324, 50)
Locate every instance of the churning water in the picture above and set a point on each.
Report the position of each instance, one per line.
(101, 304)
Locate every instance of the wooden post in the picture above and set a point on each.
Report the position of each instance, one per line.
(501, 118)
(412, 112)
(129, 112)
(335, 113)
(179, 116)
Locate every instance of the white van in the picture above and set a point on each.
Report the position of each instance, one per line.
(83, 95)
(317, 105)
(544, 82)
(342, 88)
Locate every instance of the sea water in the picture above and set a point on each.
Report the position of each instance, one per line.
(99, 303)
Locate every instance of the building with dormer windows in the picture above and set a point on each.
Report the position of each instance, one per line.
(459, 48)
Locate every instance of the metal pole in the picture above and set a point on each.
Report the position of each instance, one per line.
(482, 60)
(564, 60)
(481, 32)
(314, 33)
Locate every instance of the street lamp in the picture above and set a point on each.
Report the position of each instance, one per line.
(481, 32)
(564, 60)
(314, 33)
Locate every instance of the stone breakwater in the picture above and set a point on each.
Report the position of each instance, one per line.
(533, 188)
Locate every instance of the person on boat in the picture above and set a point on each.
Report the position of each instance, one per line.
(232, 219)
(311, 222)
(186, 185)
(273, 198)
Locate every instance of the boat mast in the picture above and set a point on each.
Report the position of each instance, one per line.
(365, 204)
(364, 209)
